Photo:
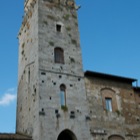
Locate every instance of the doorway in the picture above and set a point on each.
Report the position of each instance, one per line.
(66, 135)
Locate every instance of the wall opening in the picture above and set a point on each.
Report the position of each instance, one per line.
(63, 95)
(58, 55)
(58, 27)
(109, 99)
(108, 102)
(116, 137)
(66, 135)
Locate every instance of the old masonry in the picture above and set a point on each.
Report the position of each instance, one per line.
(56, 99)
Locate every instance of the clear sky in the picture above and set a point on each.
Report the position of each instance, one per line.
(110, 42)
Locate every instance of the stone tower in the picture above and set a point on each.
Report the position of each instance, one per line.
(52, 101)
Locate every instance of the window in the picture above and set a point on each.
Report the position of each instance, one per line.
(109, 99)
(29, 75)
(58, 27)
(108, 102)
(63, 95)
(59, 55)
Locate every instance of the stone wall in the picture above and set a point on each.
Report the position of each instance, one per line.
(27, 100)
(50, 24)
(123, 120)
(52, 75)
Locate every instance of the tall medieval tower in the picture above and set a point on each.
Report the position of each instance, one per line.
(52, 101)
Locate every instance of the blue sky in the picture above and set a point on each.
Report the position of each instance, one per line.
(110, 42)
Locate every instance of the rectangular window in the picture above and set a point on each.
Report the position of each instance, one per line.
(58, 27)
(108, 102)
(59, 55)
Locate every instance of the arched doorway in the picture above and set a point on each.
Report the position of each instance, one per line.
(115, 137)
(66, 135)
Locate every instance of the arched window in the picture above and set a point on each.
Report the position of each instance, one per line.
(59, 55)
(63, 95)
(109, 99)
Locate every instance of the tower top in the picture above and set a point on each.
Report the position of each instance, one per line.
(70, 3)
(27, 4)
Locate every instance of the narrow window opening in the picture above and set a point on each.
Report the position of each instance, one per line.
(56, 111)
(63, 95)
(35, 90)
(108, 102)
(58, 28)
(29, 75)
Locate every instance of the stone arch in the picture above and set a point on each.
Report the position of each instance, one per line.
(62, 87)
(108, 88)
(66, 135)
(115, 137)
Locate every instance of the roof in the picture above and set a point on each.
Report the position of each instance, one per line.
(109, 76)
(8, 136)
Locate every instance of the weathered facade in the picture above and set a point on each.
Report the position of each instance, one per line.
(121, 118)
(56, 99)
(51, 88)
